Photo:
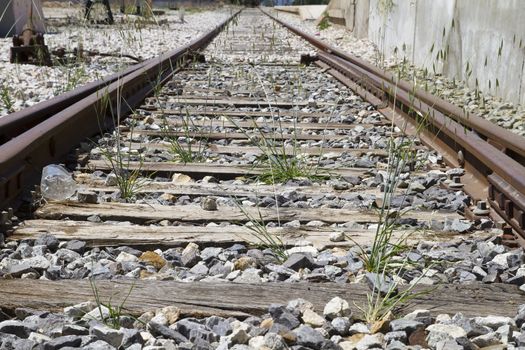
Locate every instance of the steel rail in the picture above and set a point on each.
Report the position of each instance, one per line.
(23, 157)
(13, 124)
(493, 156)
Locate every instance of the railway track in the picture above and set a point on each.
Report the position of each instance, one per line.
(242, 173)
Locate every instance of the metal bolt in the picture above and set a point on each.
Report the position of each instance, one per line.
(461, 158)
(4, 218)
(456, 182)
(481, 209)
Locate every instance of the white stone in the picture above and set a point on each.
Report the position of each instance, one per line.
(126, 257)
(505, 333)
(305, 249)
(371, 341)
(180, 178)
(147, 336)
(160, 318)
(417, 314)
(99, 313)
(36, 262)
(300, 304)
(111, 180)
(315, 223)
(337, 236)
(443, 318)
(347, 345)
(38, 338)
(107, 334)
(337, 307)
(239, 336)
(443, 332)
(79, 310)
(240, 325)
(313, 319)
(486, 340)
(170, 313)
(359, 328)
(501, 259)
(293, 223)
(495, 322)
(256, 342)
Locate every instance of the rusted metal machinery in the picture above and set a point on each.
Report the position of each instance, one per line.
(494, 158)
(29, 46)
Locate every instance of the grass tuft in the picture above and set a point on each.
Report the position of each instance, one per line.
(7, 100)
(259, 231)
(324, 23)
(116, 312)
(191, 150)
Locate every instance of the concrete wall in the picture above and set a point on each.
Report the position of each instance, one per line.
(464, 39)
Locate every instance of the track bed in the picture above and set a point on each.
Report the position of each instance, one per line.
(246, 181)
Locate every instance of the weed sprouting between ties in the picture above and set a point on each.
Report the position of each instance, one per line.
(188, 148)
(259, 230)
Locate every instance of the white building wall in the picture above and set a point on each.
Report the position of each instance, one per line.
(463, 39)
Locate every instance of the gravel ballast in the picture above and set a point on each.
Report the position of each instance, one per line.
(473, 254)
(296, 325)
(22, 85)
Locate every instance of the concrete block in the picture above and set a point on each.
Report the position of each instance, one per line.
(305, 12)
(311, 12)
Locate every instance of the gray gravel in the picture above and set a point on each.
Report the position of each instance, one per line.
(296, 325)
(464, 261)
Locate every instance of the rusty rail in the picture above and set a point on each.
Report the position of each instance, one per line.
(510, 143)
(493, 157)
(16, 123)
(51, 137)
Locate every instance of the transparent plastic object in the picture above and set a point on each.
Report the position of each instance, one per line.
(57, 183)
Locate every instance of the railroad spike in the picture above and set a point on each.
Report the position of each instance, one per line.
(461, 158)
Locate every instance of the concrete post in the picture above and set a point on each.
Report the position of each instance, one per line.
(15, 14)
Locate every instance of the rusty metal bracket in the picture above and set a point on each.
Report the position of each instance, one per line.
(509, 203)
(30, 48)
